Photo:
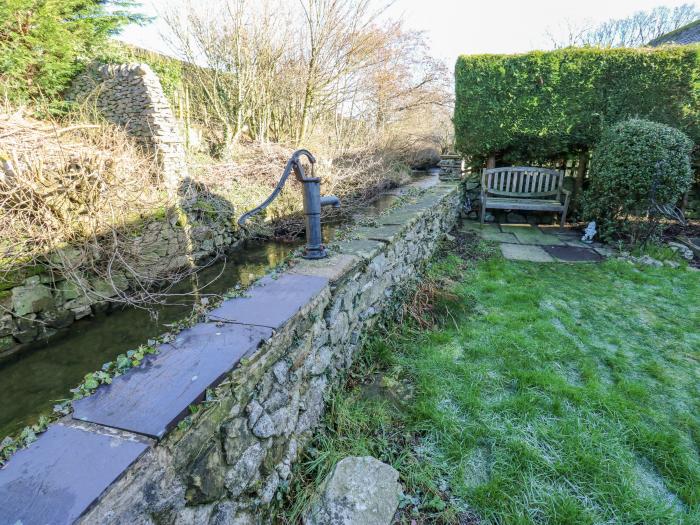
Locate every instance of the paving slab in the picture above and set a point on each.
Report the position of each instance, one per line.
(155, 396)
(478, 227)
(58, 477)
(525, 252)
(527, 234)
(499, 236)
(572, 253)
(271, 302)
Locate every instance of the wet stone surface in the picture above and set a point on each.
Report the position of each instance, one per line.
(60, 475)
(153, 397)
(272, 302)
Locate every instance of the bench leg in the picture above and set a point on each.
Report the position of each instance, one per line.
(562, 221)
(482, 213)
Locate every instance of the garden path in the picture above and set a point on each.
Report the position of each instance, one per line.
(525, 242)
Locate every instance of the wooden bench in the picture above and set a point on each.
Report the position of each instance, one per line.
(524, 188)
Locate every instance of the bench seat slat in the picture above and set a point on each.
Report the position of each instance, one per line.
(524, 204)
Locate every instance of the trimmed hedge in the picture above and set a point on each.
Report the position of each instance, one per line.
(545, 105)
(636, 164)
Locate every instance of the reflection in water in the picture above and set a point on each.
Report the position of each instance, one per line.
(33, 381)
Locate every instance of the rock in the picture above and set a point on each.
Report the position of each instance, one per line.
(69, 290)
(58, 318)
(6, 325)
(31, 299)
(205, 482)
(82, 311)
(489, 217)
(6, 343)
(264, 427)
(672, 264)
(682, 249)
(236, 438)
(360, 490)
(649, 261)
(246, 470)
(26, 328)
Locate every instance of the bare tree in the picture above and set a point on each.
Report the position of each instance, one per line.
(636, 30)
(280, 69)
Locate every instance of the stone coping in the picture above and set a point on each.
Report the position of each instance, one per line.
(63, 474)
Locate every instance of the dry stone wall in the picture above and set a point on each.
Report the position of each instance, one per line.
(293, 337)
(131, 96)
(42, 305)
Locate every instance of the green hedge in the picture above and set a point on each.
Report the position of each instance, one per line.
(545, 105)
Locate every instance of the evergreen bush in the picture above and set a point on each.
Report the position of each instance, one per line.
(44, 44)
(637, 167)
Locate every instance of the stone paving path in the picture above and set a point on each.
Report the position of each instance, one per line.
(524, 242)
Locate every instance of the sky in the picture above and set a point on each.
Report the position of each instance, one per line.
(455, 27)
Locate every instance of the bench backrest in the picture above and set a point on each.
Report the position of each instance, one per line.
(521, 181)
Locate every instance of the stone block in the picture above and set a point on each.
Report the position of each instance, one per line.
(31, 299)
(58, 318)
(205, 478)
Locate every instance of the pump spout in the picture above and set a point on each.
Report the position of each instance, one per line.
(330, 200)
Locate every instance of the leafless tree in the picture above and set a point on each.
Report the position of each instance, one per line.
(280, 69)
(636, 30)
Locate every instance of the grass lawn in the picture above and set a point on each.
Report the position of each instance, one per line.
(544, 394)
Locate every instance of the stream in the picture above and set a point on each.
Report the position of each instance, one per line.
(34, 380)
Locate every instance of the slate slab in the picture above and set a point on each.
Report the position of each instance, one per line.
(525, 252)
(271, 302)
(527, 234)
(381, 233)
(332, 268)
(152, 398)
(363, 248)
(497, 236)
(61, 475)
(573, 253)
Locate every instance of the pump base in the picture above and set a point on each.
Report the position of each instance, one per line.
(315, 253)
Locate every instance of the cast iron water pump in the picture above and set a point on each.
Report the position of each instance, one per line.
(312, 203)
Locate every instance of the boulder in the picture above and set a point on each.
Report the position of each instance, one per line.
(358, 490)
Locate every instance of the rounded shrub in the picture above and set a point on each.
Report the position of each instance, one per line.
(637, 166)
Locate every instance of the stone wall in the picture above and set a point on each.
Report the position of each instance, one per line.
(263, 363)
(131, 96)
(41, 305)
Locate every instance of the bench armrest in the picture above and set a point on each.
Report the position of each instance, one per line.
(566, 194)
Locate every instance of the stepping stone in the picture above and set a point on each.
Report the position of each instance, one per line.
(59, 476)
(271, 302)
(153, 397)
(573, 253)
(525, 252)
(489, 235)
(527, 234)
